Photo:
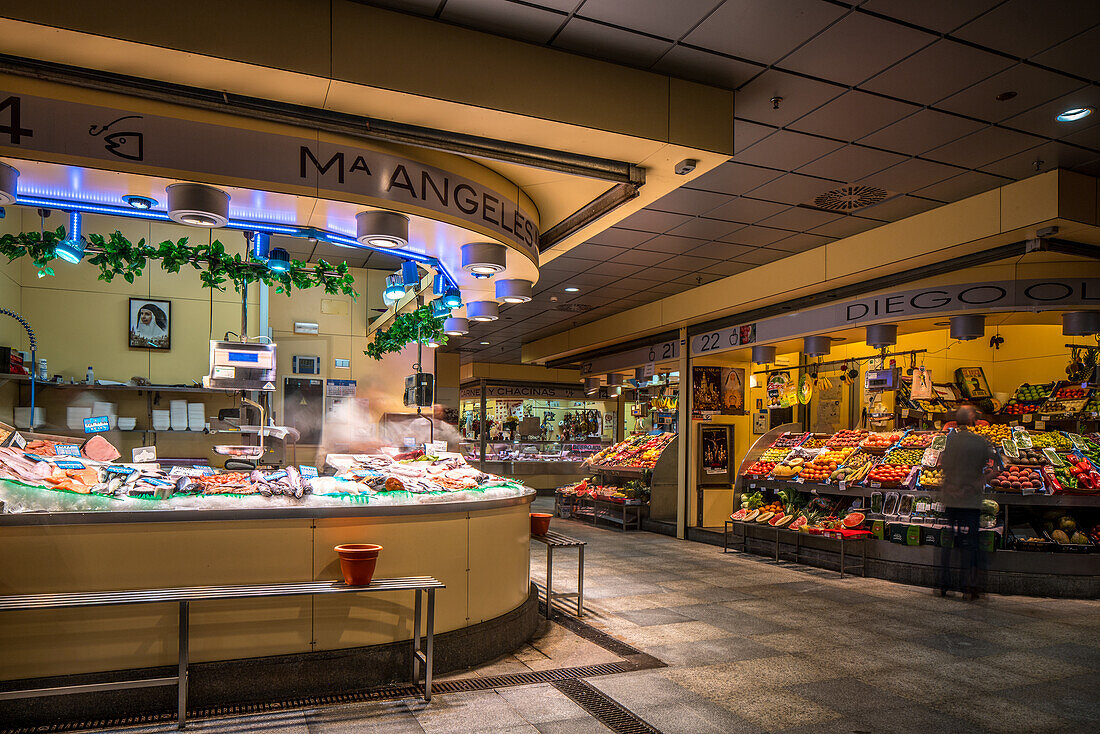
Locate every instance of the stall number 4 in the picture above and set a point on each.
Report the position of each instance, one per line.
(14, 131)
(709, 342)
(667, 351)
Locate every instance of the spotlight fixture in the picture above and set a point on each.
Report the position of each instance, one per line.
(410, 274)
(278, 260)
(1073, 114)
(572, 289)
(484, 258)
(431, 343)
(1080, 323)
(816, 346)
(439, 284)
(482, 311)
(452, 298)
(378, 228)
(591, 385)
(514, 290)
(440, 309)
(139, 202)
(394, 289)
(71, 249)
(482, 276)
(456, 327)
(261, 246)
(198, 205)
(9, 184)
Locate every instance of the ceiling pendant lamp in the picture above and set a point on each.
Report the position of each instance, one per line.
(816, 346)
(763, 355)
(377, 228)
(9, 184)
(440, 309)
(197, 205)
(71, 249)
(456, 326)
(514, 290)
(484, 258)
(591, 385)
(881, 336)
(967, 327)
(1080, 323)
(278, 260)
(410, 274)
(394, 289)
(482, 311)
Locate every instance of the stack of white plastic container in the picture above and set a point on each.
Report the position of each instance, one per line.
(196, 416)
(178, 413)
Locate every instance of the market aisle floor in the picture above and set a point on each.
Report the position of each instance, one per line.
(755, 646)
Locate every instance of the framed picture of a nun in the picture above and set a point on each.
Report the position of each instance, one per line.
(150, 324)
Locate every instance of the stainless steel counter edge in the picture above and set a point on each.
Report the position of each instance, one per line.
(107, 517)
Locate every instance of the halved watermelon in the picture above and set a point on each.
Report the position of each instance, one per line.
(853, 520)
(776, 518)
(765, 516)
(798, 522)
(751, 516)
(740, 514)
(783, 521)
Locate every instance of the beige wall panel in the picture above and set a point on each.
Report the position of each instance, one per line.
(411, 546)
(11, 296)
(717, 506)
(701, 114)
(1077, 197)
(1027, 202)
(523, 373)
(194, 323)
(284, 310)
(499, 561)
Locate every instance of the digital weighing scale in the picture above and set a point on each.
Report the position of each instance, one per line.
(241, 366)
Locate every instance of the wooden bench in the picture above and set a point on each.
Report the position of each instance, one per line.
(554, 540)
(422, 649)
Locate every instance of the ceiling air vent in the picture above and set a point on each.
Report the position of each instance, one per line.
(851, 197)
(573, 307)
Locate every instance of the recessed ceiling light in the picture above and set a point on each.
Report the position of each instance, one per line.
(484, 344)
(140, 202)
(1074, 114)
(572, 289)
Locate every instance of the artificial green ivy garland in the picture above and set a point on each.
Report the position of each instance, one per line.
(116, 256)
(407, 328)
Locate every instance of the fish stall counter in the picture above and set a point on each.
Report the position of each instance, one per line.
(91, 523)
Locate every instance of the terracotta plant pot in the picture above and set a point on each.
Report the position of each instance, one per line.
(540, 523)
(357, 561)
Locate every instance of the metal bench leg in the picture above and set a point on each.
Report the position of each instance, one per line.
(549, 579)
(580, 581)
(430, 622)
(841, 558)
(183, 654)
(416, 638)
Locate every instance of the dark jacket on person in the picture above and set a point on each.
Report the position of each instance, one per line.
(964, 462)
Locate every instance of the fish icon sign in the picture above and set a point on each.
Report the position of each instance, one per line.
(128, 144)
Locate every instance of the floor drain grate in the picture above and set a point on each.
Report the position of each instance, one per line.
(606, 710)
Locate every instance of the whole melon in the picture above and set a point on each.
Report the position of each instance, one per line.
(1079, 538)
(1067, 525)
(1059, 537)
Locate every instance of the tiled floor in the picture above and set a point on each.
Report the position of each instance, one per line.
(753, 646)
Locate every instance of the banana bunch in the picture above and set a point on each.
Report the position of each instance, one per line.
(850, 474)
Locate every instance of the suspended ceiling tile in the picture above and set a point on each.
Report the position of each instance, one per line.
(799, 219)
(649, 220)
(1089, 137)
(688, 263)
(762, 31)
(616, 269)
(850, 163)
(757, 236)
(800, 242)
(589, 251)
(856, 47)
(962, 186)
(723, 251)
(794, 188)
(845, 227)
(799, 96)
(746, 210)
(1041, 119)
(1026, 27)
(705, 228)
(938, 15)
(1049, 155)
(923, 131)
(705, 67)
(937, 71)
(787, 150)
(656, 17)
(690, 201)
(908, 176)
(982, 147)
(726, 269)
(694, 280)
(1077, 55)
(899, 207)
(564, 6)
(421, 7)
(854, 115)
(763, 255)
(670, 244)
(1032, 87)
(613, 44)
(620, 237)
(641, 257)
(504, 18)
(747, 133)
(734, 178)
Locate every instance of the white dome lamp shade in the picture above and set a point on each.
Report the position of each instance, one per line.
(816, 346)
(881, 336)
(378, 228)
(197, 205)
(9, 184)
(482, 311)
(967, 327)
(514, 290)
(763, 355)
(1080, 323)
(484, 259)
(456, 326)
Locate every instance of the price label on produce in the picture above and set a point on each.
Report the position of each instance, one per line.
(18, 441)
(843, 484)
(97, 424)
(308, 472)
(67, 449)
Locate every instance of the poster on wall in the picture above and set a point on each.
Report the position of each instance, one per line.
(150, 324)
(716, 450)
(706, 392)
(733, 391)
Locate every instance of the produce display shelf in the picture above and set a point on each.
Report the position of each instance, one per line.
(631, 470)
(1004, 498)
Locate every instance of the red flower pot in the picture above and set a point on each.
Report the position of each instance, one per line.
(540, 523)
(357, 561)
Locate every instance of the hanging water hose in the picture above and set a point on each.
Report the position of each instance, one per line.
(34, 349)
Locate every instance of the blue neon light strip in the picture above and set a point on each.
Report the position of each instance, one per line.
(335, 238)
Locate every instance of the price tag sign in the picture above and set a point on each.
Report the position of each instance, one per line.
(410, 442)
(97, 424)
(206, 470)
(1040, 425)
(437, 447)
(18, 441)
(143, 454)
(276, 475)
(158, 482)
(843, 484)
(1010, 449)
(69, 465)
(123, 470)
(308, 472)
(1027, 417)
(186, 471)
(67, 449)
